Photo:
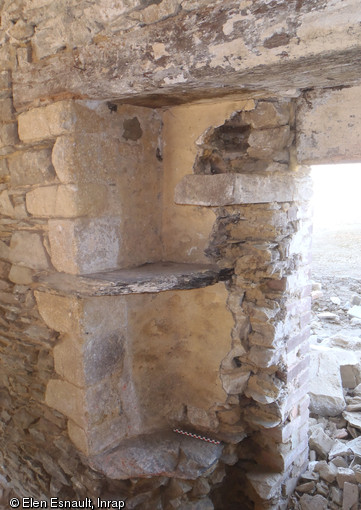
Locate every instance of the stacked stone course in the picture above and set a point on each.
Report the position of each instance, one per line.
(269, 297)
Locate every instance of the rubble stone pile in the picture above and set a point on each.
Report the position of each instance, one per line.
(333, 477)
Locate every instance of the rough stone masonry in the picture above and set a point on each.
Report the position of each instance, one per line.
(177, 132)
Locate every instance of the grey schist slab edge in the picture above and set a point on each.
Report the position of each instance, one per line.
(232, 189)
(156, 277)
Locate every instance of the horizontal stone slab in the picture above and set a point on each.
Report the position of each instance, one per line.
(235, 51)
(148, 278)
(233, 189)
(158, 454)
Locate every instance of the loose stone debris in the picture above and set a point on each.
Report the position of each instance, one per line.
(333, 477)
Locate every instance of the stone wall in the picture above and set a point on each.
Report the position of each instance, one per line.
(102, 378)
(87, 184)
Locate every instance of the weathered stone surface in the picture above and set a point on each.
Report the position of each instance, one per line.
(31, 167)
(263, 389)
(268, 115)
(339, 110)
(266, 143)
(354, 418)
(350, 496)
(235, 382)
(228, 189)
(147, 278)
(59, 312)
(67, 201)
(68, 399)
(320, 441)
(158, 455)
(345, 475)
(83, 246)
(238, 48)
(57, 119)
(327, 398)
(327, 471)
(27, 249)
(342, 449)
(21, 275)
(316, 502)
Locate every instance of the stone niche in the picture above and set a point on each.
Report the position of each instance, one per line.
(176, 275)
(142, 332)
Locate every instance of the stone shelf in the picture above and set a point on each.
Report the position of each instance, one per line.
(232, 189)
(148, 278)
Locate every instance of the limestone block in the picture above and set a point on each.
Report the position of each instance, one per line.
(230, 189)
(263, 388)
(59, 312)
(21, 275)
(67, 399)
(320, 441)
(268, 115)
(27, 249)
(95, 439)
(263, 357)
(8, 134)
(327, 471)
(84, 246)
(47, 122)
(266, 484)
(265, 143)
(235, 382)
(31, 167)
(68, 361)
(326, 391)
(89, 362)
(345, 475)
(67, 201)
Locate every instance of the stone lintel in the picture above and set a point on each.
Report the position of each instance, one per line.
(148, 278)
(234, 189)
(229, 56)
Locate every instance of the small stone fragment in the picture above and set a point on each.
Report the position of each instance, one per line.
(327, 472)
(306, 487)
(345, 475)
(336, 495)
(354, 419)
(350, 496)
(322, 488)
(320, 441)
(317, 502)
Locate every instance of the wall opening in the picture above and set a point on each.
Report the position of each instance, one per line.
(335, 341)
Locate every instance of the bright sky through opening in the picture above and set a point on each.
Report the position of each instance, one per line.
(337, 195)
